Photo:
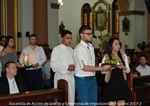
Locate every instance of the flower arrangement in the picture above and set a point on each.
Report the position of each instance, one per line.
(27, 65)
(112, 61)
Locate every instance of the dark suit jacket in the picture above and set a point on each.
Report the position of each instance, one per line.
(4, 86)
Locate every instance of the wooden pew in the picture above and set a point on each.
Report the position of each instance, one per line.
(38, 98)
(139, 90)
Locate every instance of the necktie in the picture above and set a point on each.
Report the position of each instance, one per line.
(90, 53)
(90, 57)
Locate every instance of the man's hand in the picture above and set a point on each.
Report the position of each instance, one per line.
(111, 68)
(106, 67)
(71, 67)
(36, 65)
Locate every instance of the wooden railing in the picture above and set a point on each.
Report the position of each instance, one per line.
(139, 90)
(38, 98)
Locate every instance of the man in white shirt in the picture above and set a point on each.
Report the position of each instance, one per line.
(142, 68)
(36, 57)
(12, 82)
(62, 64)
(85, 80)
(2, 43)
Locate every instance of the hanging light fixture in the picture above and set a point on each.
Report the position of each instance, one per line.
(60, 2)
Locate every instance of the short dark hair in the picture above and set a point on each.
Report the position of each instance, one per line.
(65, 32)
(2, 37)
(83, 28)
(143, 55)
(8, 64)
(32, 35)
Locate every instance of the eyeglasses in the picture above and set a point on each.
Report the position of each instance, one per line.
(88, 33)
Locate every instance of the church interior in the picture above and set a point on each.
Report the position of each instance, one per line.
(128, 20)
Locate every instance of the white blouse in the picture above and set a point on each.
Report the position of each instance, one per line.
(124, 56)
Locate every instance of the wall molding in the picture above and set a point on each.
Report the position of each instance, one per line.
(133, 12)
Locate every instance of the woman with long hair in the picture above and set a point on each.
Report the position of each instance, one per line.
(8, 53)
(116, 90)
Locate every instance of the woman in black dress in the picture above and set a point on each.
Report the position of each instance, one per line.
(116, 90)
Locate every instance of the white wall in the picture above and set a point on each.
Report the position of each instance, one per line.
(53, 28)
(138, 25)
(25, 21)
(127, 39)
(70, 14)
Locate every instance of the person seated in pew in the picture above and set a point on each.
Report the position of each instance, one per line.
(132, 68)
(11, 82)
(143, 68)
(138, 48)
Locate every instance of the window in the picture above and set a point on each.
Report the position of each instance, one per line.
(86, 15)
(115, 18)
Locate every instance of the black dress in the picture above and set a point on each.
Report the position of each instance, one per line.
(117, 88)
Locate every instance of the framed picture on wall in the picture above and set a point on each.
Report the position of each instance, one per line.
(125, 25)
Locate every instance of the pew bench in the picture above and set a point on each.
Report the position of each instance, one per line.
(38, 98)
(139, 88)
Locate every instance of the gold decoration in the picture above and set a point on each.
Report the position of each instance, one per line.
(77, 38)
(100, 15)
(104, 41)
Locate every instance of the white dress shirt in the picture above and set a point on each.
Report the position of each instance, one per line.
(35, 56)
(143, 70)
(84, 55)
(13, 88)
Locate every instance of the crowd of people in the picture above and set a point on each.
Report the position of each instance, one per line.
(80, 67)
(32, 77)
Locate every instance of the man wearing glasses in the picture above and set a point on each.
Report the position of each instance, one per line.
(85, 80)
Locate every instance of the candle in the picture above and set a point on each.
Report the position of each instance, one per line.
(26, 59)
